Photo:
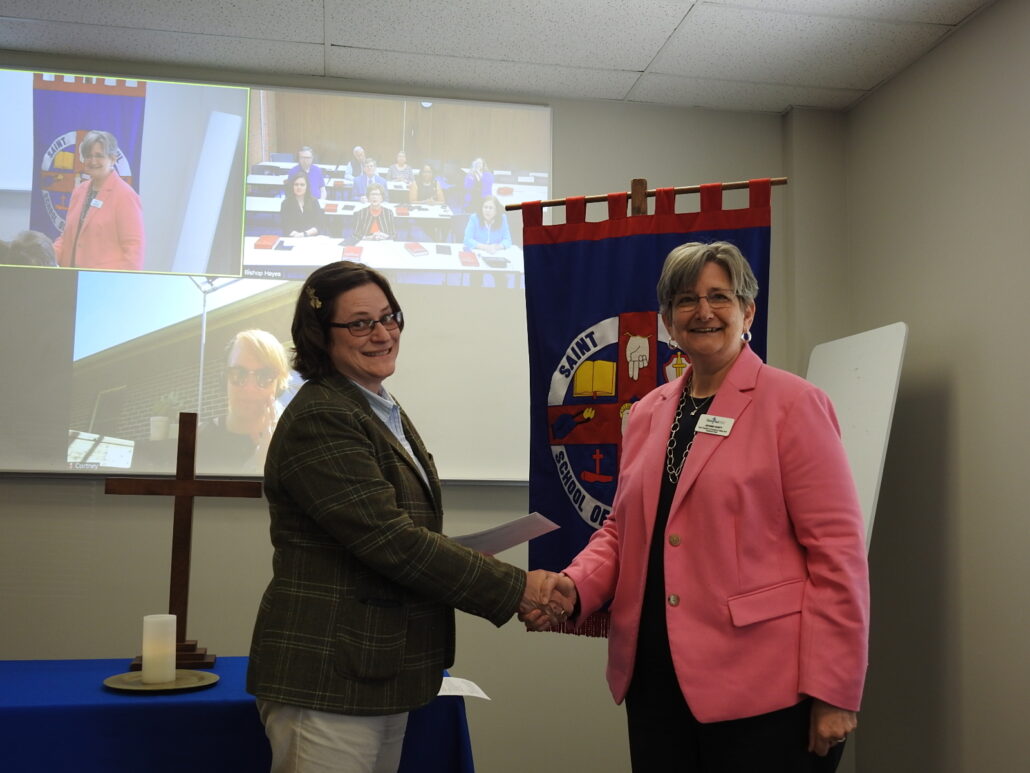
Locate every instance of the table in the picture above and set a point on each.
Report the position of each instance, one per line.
(286, 166)
(56, 715)
(437, 212)
(308, 253)
(263, 216)
(274, 184)
(519, 192)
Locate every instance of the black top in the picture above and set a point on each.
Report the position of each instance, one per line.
(294, 220)
(653, 660)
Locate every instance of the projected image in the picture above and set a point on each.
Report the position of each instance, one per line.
(190, 214)
(414, 186)
(214, 346)
(122, 175)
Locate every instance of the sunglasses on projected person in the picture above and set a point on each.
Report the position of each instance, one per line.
(263, 377)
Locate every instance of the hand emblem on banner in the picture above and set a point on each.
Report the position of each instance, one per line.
(638, 355)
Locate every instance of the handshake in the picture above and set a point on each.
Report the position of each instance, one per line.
(548, 600)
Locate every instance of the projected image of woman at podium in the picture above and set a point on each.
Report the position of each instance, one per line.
(357, 624)
(487, 229)
(104, 223)
(256, 374)
(300, 212)
(734, 557)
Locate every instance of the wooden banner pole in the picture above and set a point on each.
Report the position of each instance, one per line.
(741, 184)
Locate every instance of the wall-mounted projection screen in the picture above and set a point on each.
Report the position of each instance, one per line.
(133, 280)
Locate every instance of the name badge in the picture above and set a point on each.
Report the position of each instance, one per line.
(714, 425)
(96, 203)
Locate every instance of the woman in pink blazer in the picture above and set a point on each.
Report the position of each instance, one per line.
(104, 227)
(734, 558)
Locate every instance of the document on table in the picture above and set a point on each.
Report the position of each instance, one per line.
(507, 535)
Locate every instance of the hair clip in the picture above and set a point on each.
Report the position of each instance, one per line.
(312, 298)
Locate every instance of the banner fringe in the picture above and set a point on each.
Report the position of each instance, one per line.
(596, 625)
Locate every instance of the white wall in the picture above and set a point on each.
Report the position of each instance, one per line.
(938, 191)
(78, 569)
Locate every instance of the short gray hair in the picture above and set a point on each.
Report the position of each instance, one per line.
(683, 266)
(105, 139)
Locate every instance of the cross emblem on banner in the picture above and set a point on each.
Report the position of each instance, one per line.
(184, 487)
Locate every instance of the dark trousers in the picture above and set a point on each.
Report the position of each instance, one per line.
(664, 737)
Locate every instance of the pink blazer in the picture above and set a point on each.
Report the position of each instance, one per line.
(767, 591)
(112, 233)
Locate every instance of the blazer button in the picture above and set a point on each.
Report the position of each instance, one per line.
(674, 540)
(674, 600)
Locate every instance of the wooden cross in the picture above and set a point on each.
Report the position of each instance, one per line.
(183, 487)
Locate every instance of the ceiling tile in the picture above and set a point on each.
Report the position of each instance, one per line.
(167, 47)
(583, 33)
(442, 72)
(745, 45)
(292, 20)
(736, 95)
(926, 11)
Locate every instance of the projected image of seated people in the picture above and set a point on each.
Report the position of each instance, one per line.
(487, 229)
(256, 374)
(425, 189)
(369, 176)
(300, 213)
(104, 225)
(375, 221)
(400, 170)
(479, 183)
(357, 163)
(306, 164)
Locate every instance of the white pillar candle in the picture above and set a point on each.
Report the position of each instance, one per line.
(158, 649)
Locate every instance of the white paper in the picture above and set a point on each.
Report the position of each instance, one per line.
(507, 535)
(452, 685)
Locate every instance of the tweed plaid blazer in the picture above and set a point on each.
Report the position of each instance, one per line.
(359, 615)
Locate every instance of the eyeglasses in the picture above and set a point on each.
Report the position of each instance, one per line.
(717, 300)
(364, 327)
(263, 377)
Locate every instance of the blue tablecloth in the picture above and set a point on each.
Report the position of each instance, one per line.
(56, 715)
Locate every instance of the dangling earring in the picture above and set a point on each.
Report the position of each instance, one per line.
(673, 345)
(746, 336)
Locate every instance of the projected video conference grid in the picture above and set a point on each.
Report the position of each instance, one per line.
(212, 218)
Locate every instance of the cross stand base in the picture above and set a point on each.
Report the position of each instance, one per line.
(187, 655)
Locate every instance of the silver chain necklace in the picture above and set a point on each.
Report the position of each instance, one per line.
(673, 469)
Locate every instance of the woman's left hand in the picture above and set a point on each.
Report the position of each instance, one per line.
(829, 726)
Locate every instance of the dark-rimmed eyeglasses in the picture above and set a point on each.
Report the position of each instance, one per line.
(263, 377)
(716, 300)
(364, 327)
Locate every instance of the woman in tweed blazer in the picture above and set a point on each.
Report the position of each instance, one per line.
(357, 624)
